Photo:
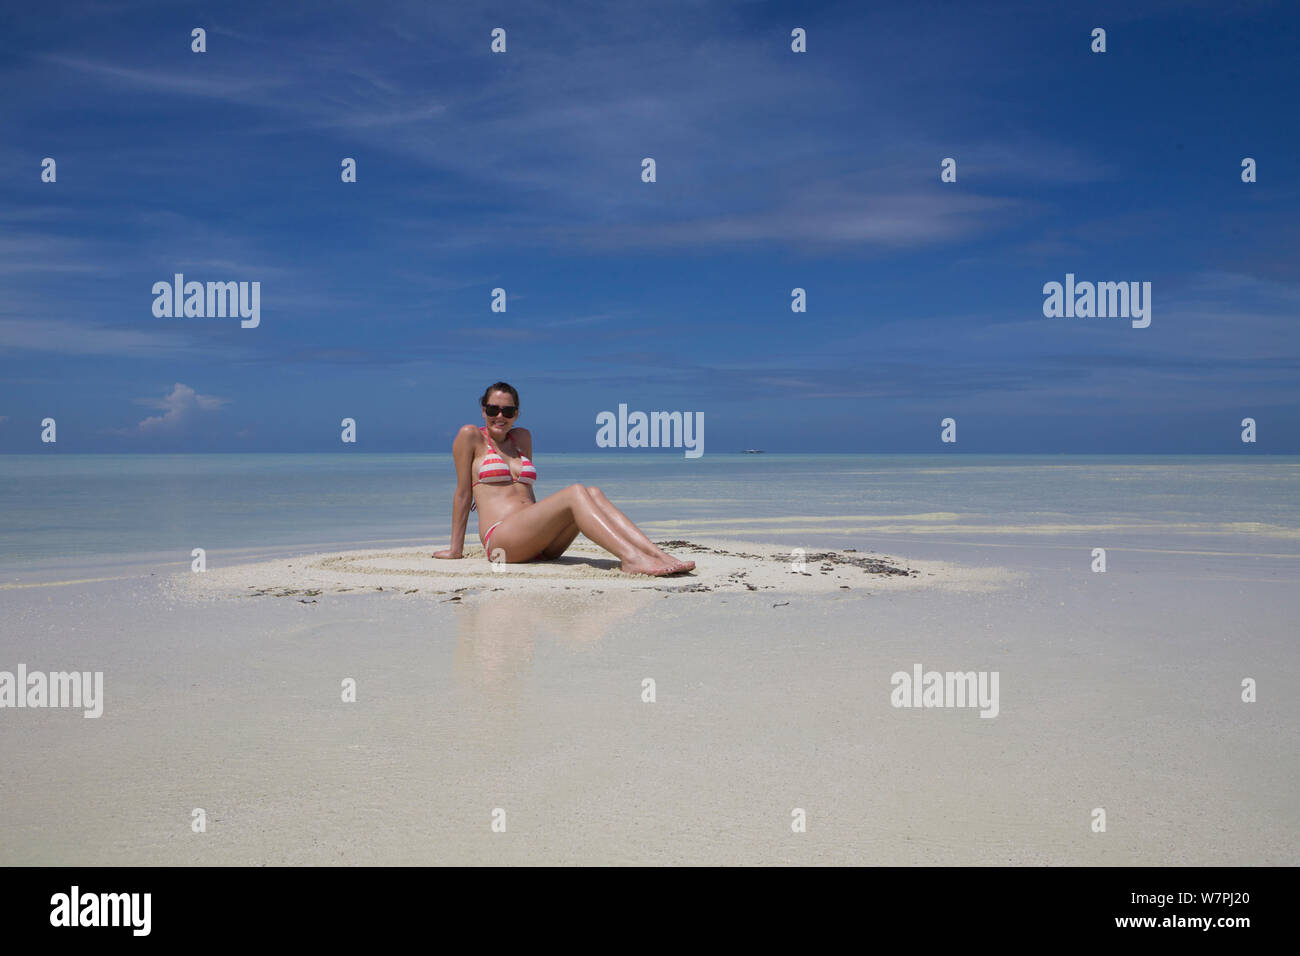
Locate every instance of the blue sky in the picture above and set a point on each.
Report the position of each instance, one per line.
(775, 170)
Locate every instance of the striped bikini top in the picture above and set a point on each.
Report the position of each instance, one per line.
(494, 470)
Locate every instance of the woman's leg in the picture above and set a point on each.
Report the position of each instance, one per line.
(528, 532)
(617, 519)
(624, 524)
(561, 543)
(630, 530)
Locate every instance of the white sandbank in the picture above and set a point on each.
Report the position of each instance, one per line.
(721, 566)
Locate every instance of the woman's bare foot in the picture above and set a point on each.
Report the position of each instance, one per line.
(676, 563)
(643, 565)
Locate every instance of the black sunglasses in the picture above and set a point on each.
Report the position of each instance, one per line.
(509, 411)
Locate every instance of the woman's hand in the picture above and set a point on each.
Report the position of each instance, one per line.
(446, 553)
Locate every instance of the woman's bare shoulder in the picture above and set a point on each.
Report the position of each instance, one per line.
(467, 433)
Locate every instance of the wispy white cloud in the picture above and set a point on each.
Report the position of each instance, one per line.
(26, 253)
(899, 219)
(75, 337)
(357, 120)
(577, 108)
(236, 87)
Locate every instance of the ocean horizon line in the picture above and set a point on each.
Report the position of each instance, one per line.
(670, 453)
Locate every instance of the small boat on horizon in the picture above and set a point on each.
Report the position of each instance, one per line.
(753, 451)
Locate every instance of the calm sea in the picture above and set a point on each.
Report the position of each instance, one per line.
(59, 507)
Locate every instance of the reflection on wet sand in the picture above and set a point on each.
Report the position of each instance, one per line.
(496, 632)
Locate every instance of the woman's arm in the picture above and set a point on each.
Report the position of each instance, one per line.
(462, 453)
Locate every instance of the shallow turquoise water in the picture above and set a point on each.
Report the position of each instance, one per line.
(63, 506)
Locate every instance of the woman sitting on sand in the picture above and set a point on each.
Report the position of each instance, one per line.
(495, 457)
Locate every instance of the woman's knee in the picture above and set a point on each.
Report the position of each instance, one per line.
(595, 492)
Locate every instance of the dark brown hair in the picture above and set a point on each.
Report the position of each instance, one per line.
(500, 387)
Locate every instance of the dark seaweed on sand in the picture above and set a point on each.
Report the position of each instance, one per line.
(870, 565)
